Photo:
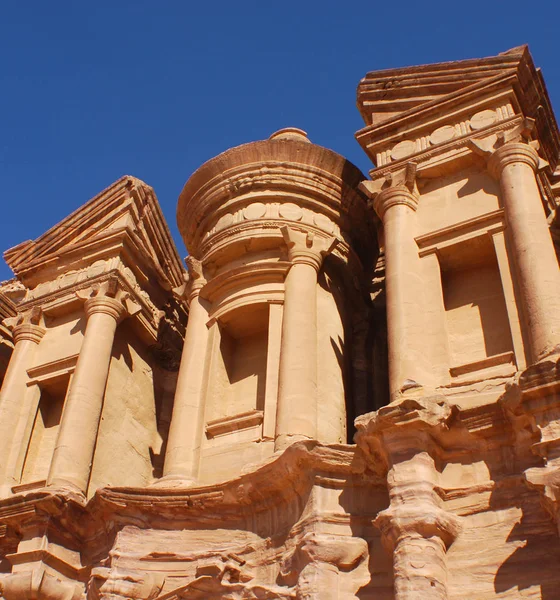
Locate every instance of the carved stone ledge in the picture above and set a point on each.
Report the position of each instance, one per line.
(232, 423)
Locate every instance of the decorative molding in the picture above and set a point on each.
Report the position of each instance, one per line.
(505, 358)
(52, 370)
(491, 222)
(229, 424)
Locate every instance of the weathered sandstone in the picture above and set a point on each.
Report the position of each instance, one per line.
(350, 389)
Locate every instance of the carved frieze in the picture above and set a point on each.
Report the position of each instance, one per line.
(444, 133)
(286, 211)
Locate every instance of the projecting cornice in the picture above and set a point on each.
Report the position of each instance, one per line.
(128, 205)
(411, 113)
(261, 185)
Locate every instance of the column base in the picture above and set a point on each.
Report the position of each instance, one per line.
(174, 481)
(285, 440)
(64, 485)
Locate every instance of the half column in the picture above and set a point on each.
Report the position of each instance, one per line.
(73, 454)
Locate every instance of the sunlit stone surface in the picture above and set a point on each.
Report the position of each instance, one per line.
(351, 390)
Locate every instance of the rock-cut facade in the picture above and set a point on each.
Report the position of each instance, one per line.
(349, 389)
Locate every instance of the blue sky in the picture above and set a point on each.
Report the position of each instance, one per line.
(92, 91)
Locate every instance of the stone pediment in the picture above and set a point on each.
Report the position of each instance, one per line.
(410, 110)
(128, 211)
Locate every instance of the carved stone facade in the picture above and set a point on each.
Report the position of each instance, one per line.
(351, 391)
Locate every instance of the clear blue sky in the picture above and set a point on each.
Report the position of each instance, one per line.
(91, 91)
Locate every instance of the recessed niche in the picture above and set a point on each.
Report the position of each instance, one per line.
(238, 372)
(476, 315)
(45, 430)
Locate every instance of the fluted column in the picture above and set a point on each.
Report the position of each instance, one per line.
(296, 417)
(514, 164)
(415, 528)
(396, 207)
(26, 335)
(73, 454)
(185, 432)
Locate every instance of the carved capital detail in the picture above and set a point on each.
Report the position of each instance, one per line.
(27, 331)
(420, 518)
(27, 326)
(396, 188)
(510, 153)
(393, 197)
(110, 299)
(105, 305)
(508, 147)
(305, 247)
(404, 423)
(194, 280)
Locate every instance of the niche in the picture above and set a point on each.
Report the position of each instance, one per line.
(45, 429)
(238, 370)
(476, 316)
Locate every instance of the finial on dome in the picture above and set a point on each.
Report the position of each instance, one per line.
(290, 133)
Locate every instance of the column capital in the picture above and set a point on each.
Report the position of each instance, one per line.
(394, 188)
(419, 518)
(105, 305)
(510, 153)
(196, 280)
(404, 425)
(305, 247)
(394, 196)
(109, 298)
(514, 145)
(28, 331)
(26, 326)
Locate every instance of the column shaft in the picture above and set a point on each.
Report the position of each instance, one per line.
(515, 164)
(185, 433)
(26, 337)
(403, 288)
(297, 386)
(73, 454)
(419, 568)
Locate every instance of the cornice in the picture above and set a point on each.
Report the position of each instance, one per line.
(447, 152)
(435, 92)
(439, 109)
(64, 299)
(270, 170)
(281, 479)
(129, 200)
(7, 308)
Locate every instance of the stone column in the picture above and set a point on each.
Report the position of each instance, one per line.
(325, 564)
(396, 206)
(514, 164)
(27, 334)
(75, 446)
(415, 527)
(296, 417)
(185, 432)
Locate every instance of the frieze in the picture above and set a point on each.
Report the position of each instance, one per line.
(80, 279)
(288, 211)
(480, 120)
